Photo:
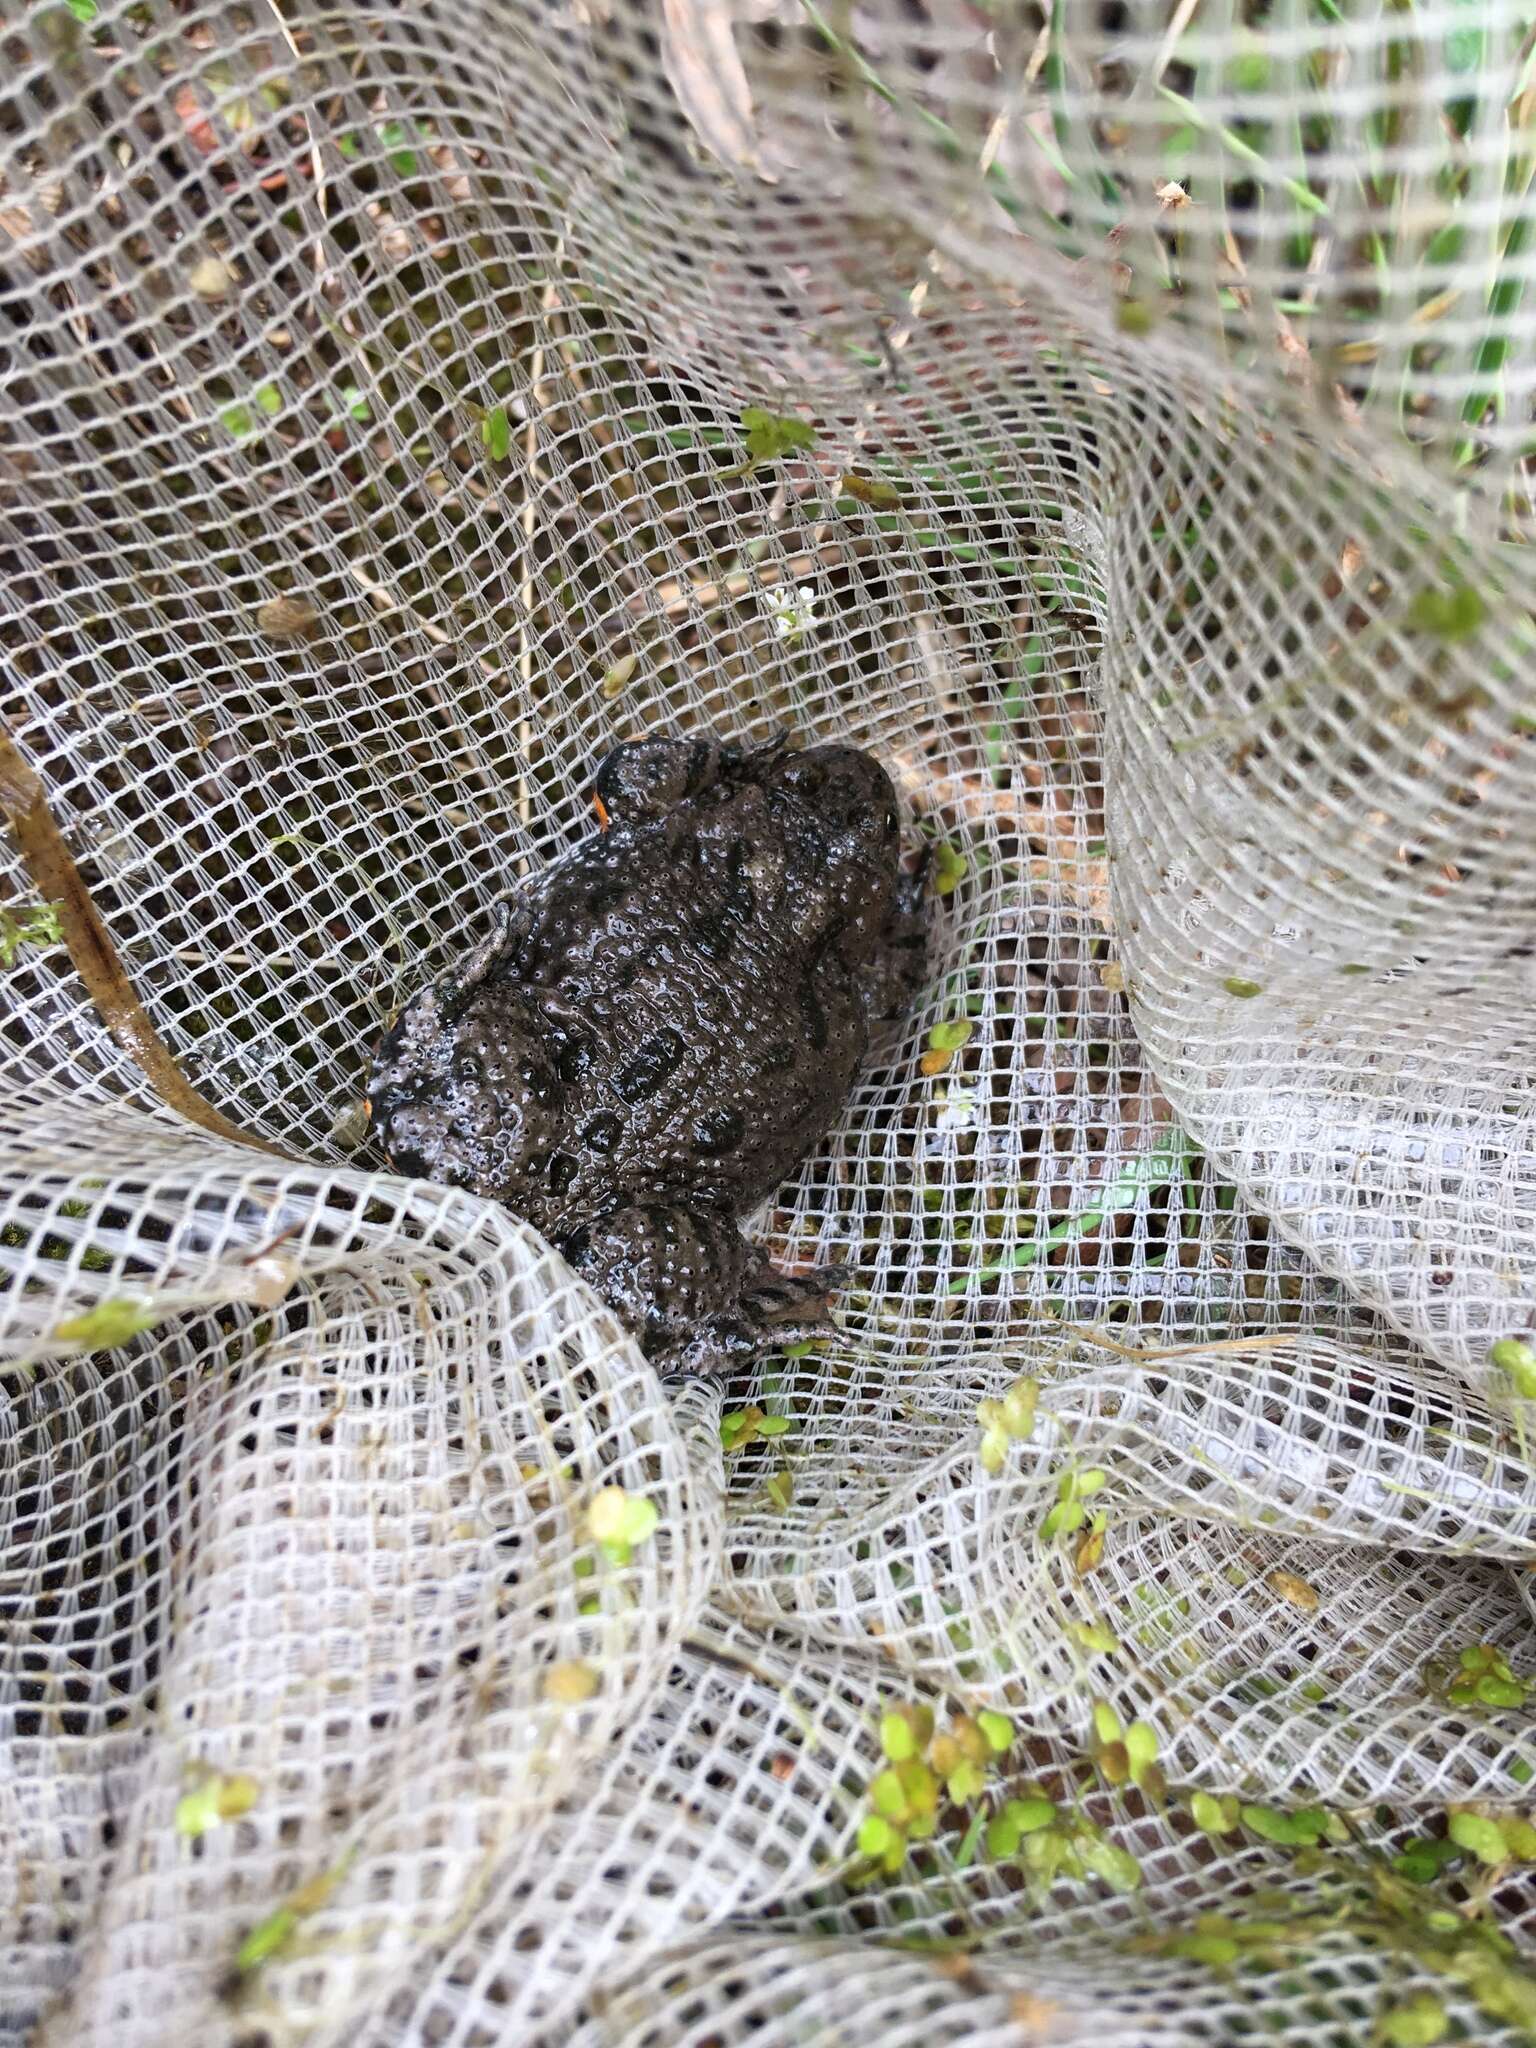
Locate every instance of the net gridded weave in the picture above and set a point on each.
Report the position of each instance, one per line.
(385, 1655)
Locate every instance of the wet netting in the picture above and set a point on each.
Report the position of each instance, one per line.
(1119, 419)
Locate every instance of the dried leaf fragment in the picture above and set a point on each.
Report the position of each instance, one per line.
(287, 618)
(1296, 1592)
(704, 69)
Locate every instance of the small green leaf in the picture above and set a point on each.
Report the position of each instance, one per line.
(1512, 1355)
(1235, 985)
(619, 1520)
(640, 1518)
(1094, 1637)
(237, 1794)
(1140, 1746)
(1419, 2022)
(605, 1516)
(769, 435)
(1249, 71)
(1030, 1815)
(1453, 614)
(950, 868)
(392, 134)
(1049, 1850)
(197, 1812)
(218, 1798)
(356, 404)
(997, 1728)
(744, 1426)
(1065, 1519)
(877, 1837)
(270, 399)
(951, 1035)
(1106, 1722)
(888, 1795)
(1210, 1816)
(897, 1737)
(238, 420)
(920, 1786)
(108, 1324)
(1198, 1947)
(37, 925)
(1499, 1692)
(1002, 1837)
(1019, 1405)
(780, 1489)
(496, 433)
(614, 679)
(349, 146)
(1479, 1835)
(1133, 317)
(1118, 1867)
(1297, 1830)
(265, 1939)
(965, 1782)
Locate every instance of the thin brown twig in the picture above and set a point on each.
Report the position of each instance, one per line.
(316, 161)
(529, 523)
(97, 961)
(676, 599)
(476, 768)
(1149, 1354)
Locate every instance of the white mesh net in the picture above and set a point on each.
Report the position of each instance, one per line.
(385, 1654)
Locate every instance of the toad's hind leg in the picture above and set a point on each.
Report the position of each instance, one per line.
(774, 1310)
(696, 1294)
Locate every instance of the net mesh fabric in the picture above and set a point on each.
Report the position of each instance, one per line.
(373, 460)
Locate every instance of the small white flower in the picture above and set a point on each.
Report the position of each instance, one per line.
(957, 1112)
(793, 611)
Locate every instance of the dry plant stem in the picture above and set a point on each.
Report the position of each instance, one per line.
(526, 593)
(96, 960)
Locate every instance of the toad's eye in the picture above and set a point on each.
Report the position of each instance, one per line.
(890, 821)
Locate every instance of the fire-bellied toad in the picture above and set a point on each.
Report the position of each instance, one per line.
(663, 1024)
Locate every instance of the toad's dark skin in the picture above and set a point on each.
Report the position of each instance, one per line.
(657, 1030)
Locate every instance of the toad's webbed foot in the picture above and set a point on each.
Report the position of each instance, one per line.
(696, 1294)
(902, 965)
